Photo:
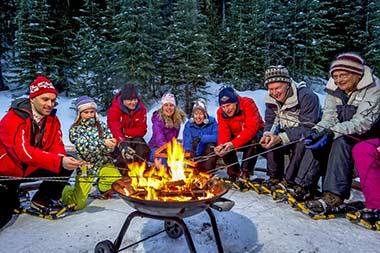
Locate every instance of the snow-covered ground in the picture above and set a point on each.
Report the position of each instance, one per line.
(255, 224)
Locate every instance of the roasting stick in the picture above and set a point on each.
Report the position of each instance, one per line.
(214, 171)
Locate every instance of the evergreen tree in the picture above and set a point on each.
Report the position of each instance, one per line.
(372, 49)
(186, 57)
(33, 49)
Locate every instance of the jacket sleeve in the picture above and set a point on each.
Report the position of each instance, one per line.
(250, 126)
(114, 121)
(269, 117)
(224, 131)
(307, 118)
(139, 126)
(158, 131)
(213, 134)
(187, 137)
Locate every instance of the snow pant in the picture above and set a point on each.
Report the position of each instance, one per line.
(367, 162)
(249, 159)
(276, 161)
(334, 162)
(47, 190)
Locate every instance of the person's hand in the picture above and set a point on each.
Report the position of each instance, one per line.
(269, 140)
(317, 140)
(70, 163)
(110, 143)
(223, 149)
(126, 151)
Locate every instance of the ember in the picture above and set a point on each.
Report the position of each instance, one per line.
(178, 182)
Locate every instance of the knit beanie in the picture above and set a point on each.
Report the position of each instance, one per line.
(84, 102)
(277, 74)
(168, 98)
(227, 95)
(41, 85)
(129, 92)
(348, 62)
(200, 104)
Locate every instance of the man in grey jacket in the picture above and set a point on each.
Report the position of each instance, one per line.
(291, 110)
(350, 114)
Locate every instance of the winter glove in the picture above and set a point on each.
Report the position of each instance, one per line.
(317, 140)
(126, 151)
(200, 148)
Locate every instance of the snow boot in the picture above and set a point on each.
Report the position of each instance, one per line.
(266, 185)
(280, 190)
(370, 218)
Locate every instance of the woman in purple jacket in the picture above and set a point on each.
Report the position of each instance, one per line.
(366, 156)
(166, 123)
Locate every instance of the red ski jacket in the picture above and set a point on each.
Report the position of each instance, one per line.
(124, 123)
(243, 126)
(24, 147)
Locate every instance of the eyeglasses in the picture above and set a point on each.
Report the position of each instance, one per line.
(341, 76)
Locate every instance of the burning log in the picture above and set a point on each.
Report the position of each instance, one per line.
(174, 184)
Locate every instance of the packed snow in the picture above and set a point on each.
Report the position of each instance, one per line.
(255, 224)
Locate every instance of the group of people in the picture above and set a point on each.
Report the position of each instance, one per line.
(319, 143)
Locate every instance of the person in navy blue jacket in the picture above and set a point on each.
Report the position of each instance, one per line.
(201, 135)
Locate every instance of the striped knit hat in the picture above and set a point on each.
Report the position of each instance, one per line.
(348, 62)
(277, 74)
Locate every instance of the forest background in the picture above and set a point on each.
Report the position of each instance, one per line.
(93, 47)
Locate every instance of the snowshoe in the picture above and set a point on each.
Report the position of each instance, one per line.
(266, 185)
(369, 218)
(279, 191)
(52, 210)
(255, 184)
(331, 212)
(241, 185)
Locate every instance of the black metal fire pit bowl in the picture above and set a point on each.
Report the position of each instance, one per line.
(171, 212)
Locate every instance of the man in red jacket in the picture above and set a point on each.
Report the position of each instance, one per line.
(126, 119)
(239, 127)
(31, 146)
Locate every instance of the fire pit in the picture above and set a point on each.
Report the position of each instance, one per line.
(169, 195)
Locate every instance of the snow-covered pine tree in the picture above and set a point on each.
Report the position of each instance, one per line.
(32, 53)
(186, 61)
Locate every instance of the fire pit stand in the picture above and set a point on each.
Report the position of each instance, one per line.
(174, 227)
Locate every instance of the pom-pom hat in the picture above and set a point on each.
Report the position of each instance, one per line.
(41, 85)
(84, 102)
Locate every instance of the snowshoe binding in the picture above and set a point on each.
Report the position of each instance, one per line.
(279, 191)
(369, 218)
(266, 185)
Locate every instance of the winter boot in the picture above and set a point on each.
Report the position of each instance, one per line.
(77, 196)
(47, 206)
(325, 205)
(279, 191)
(370, 218)
(268, 184)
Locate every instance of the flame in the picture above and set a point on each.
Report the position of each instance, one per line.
(177, 182)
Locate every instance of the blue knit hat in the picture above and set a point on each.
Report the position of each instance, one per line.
(227, 95)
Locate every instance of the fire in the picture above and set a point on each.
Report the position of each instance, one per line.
(180, 181)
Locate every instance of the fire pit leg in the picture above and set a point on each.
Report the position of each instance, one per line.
(215, 229)
(123, 230)
(189, 239)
